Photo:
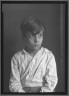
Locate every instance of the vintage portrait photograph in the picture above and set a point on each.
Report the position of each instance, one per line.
(34, 40)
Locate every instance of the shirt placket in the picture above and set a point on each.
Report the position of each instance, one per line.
(31, 67)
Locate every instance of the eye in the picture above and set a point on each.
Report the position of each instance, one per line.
(30, 34)
(40, 35)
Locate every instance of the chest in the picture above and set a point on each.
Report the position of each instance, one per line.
(33, 65)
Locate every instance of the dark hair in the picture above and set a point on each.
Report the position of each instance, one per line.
(32, 25)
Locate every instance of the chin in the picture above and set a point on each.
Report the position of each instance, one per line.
(36, 48)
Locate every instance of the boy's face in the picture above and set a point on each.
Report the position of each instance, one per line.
(34, 41)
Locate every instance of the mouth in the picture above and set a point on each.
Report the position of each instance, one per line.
(37, 45)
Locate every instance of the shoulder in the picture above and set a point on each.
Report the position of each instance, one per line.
(50, 57)
(18, 55)
(48, 52)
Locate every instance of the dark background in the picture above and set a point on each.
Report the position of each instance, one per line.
(52, 15)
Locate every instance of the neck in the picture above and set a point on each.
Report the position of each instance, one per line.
(32, 51)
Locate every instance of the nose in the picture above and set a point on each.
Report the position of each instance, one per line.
(36, 38)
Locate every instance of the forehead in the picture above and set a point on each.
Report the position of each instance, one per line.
(37, 29)
(35, 33)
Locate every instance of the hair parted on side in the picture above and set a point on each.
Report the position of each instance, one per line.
(32, 25)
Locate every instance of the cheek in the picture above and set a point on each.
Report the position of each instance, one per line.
(30, 41)
(41, 39)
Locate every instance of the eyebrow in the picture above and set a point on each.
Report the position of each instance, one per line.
(35, 33)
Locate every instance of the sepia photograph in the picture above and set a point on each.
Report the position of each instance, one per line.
(34, 40)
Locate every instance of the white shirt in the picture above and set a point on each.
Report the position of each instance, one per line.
(28, 71)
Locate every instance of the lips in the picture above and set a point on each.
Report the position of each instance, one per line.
(37, 45)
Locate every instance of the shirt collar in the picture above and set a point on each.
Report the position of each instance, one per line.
(38, 53)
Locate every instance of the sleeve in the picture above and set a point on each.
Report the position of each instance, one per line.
(51, 78)
(15, 84)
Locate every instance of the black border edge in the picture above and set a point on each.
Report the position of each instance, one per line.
(33, 2)
(48, 93)
(1, 48)
(66, 45)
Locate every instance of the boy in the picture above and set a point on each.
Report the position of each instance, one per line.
(33, 69)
